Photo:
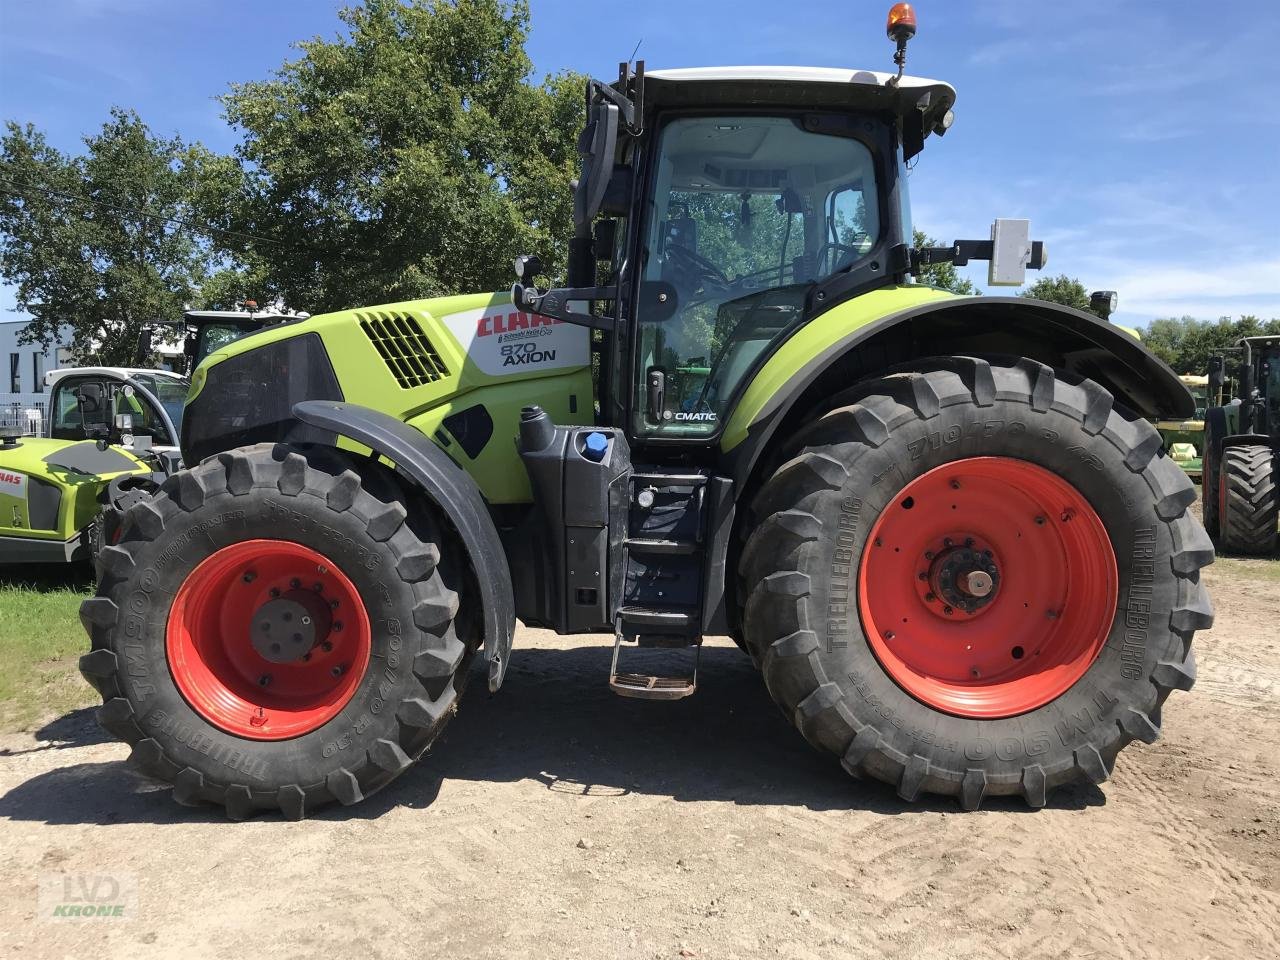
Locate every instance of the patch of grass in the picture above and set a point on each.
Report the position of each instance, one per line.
(1267, 571)
(40, 641)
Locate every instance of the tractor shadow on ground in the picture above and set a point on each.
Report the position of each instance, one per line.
(47, 577)
(556, 723)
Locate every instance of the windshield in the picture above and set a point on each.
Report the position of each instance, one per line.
(170, 391)
(747, 213)
(215, 336)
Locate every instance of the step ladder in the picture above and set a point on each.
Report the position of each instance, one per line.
(642, 686)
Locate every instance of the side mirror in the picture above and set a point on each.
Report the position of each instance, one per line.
(88, 398)
(1217, 366)
(145, 341)
(596, 146)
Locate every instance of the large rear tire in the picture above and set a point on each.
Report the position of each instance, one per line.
(270, 634)
(1248, 500)
(976, 579)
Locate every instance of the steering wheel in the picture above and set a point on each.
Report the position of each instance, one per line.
(699, 266)
(841, 251)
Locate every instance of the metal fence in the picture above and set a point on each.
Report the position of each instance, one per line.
(28, 417)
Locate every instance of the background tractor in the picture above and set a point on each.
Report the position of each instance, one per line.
(1241, 495)
(1184, 439)
(942, 527)
(112, 436)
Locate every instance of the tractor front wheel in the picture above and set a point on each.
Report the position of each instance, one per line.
(976, 579)
(270, 633)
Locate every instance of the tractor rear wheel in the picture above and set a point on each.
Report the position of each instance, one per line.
(270, 633)
(976, 579)
(1248, 500)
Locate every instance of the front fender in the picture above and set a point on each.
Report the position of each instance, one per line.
(449, 487)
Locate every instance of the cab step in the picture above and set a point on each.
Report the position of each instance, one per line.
(641, 686)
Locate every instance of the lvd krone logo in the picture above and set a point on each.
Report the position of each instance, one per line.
(86, 896)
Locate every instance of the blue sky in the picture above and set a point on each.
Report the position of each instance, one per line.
(1142, 139)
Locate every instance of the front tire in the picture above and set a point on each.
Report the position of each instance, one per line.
(874, 671)
(270, 634)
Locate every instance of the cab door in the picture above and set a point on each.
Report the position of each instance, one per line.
(77, 403)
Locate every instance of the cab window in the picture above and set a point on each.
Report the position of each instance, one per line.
(747, 213)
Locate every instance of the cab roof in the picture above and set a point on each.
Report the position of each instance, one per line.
(115, 373)
(802, 87)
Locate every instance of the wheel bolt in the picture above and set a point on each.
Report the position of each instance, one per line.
(249, 576)
(307, 656)
(879, 542)
(274, 593)
(333, 604)
(338, 671)
(889, 635)
(1051, 614)
(955, 484)
(337, 626)
(264, 680)
(318, 587)
(928, 554)
(930, 597)
(947, 610)
(1039, 521)
(295, 583)
(326, 646)
(924, 574)
(968, 541)
(946, 541)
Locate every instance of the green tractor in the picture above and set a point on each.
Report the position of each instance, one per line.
(1184, 439)
(112, 437)
(942, 527)
(1241, 444)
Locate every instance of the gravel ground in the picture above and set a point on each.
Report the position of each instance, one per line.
(556, 820)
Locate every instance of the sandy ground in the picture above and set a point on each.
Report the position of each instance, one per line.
(556, 820)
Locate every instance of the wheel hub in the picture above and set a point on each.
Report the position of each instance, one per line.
(988, 587)
(286, 628)
(963, 577)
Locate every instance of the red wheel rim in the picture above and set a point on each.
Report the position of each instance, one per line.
(1006, 644)
(267, 640)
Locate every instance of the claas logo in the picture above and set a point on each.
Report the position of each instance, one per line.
(14, 478)
(511, 322)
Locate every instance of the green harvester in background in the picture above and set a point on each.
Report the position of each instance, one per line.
(1184, 439)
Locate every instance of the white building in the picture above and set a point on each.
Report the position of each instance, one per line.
(23, 395)
(22, 370)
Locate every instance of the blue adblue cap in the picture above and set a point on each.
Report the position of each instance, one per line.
(596, 446)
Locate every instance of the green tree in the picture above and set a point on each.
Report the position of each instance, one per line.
(944, 275)
(97, 242)
(408, 157)
(1186, 344)
(1060, 289)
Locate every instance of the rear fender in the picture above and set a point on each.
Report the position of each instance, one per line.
(1061, 337)
(454, 491)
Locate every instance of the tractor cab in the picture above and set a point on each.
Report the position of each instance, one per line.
(206, 331)
(138, 409)
(724, 208)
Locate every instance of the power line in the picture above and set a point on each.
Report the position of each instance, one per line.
(16, 189)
